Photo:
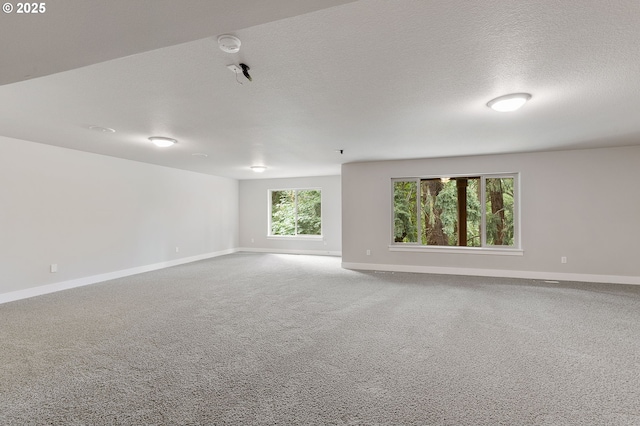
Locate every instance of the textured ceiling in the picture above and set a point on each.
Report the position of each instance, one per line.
(69, 34)
(381, 79)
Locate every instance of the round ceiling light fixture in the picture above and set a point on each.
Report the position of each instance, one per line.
(258, 169)
(102, 129)
(508, 103)
(229, 43)
(162, 142)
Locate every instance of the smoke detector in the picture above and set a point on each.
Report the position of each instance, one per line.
(229, 43)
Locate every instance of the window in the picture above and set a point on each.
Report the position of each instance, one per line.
(295, 212)
(463, 211)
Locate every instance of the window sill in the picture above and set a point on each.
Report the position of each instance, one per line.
(296, 237)
(496, 251)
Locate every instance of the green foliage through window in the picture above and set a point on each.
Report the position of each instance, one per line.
(296, 212)
(404, 202)
(440, 207)
(449, 211)
(499, 211)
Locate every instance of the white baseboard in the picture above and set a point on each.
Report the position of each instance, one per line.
(555, 276)
(279, 251)
(94, 279)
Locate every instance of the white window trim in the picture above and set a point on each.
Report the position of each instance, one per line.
(296, 237)
(270, 236)
(491, 250)
(515, 250)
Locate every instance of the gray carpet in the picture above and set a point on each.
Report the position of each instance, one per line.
(274, 339)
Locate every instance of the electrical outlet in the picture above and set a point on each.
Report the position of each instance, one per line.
(563, 259)
(177, 249)
(54, 267)
(253, 241)
(368, 252)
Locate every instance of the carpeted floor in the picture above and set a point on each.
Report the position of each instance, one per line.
(296, 340)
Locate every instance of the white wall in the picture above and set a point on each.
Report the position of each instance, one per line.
(254, 216)
(94, 215)
(581, 204)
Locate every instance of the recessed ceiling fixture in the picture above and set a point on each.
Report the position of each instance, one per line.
(200, 154)
(229, 43)
(162, 142)
(508, 103)
(258, 169)
(102, 129)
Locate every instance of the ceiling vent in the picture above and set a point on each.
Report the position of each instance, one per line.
(229, 43)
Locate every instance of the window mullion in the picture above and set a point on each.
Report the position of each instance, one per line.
(483, 211)
(516, 210)
(419, 212)
(295, 203)
(270, 212)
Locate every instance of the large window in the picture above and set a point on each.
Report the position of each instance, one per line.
(295, 212)
(462, 211)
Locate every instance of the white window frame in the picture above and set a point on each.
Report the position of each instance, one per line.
(514, 250)
(296, 236)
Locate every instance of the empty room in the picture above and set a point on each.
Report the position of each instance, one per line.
(348, 212)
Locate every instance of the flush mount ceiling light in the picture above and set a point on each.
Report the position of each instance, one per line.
(508, 103)
(102, 129)
(229, 43)
(258, 169)
(162, 142)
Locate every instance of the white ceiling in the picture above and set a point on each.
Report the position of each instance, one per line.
(380, 79)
